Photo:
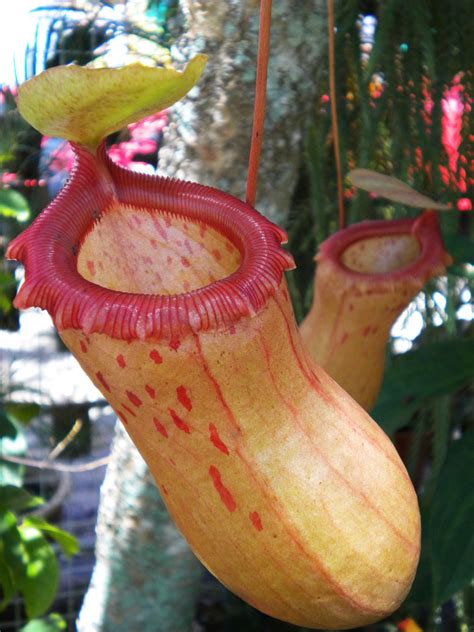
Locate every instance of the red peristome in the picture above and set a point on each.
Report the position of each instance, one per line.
(49, 249)
(425, 229)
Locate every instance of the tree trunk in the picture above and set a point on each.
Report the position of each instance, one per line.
(145, 577)
(209, 140)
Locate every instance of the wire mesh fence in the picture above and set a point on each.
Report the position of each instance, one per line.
(70, 481)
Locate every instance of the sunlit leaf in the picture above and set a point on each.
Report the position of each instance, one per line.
(14, 204)
(16, 499)
(392, 189)
(7, 520)
(53, 623)
(15, 554)
(84, 104)
(68, 543)
(40, 582)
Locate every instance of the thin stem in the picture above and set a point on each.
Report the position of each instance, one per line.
(60, 467)
(260, 99)
(335, 130)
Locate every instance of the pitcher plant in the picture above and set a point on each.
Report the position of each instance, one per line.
(172, 297)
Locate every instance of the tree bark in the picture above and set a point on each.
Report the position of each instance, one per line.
(145, 577)
(209, 140)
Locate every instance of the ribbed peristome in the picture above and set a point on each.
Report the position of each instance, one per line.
(366, 276)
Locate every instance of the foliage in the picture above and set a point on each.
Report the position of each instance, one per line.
(404, 109)
(418, 79)
(28, 561)
(423, 374)
(52, 623)
(447, 563)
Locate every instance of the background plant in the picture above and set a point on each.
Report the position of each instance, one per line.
(28, 561)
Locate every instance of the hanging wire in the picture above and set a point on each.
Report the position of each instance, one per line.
(260, 99)
(335, 130)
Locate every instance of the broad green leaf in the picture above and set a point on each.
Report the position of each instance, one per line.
(436, 369)
(53, 623)
(85, 105)
(68, 543)
(40, 581)
(392, 189)
(421, 592)
(451, 533)
(15, 554)
(16, 499)
(14, 204)
(22, 413)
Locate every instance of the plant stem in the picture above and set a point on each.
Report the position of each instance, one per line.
(335, 130)
(260, 99)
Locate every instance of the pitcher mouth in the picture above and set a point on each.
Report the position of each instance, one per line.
(380, 251)
(62, 277)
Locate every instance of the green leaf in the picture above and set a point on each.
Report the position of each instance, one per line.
(7, 427)
(39, 584)
(68, 543)
(7, 584)
(421, 592)
(392, 189)
(16, 499)
(15, 554)
(14, 204)
(7, 279)
(7, 521)
(85, 105)
(460, 247)
(23, 413)
(436, 369)
(53, 623)
(451, 532)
